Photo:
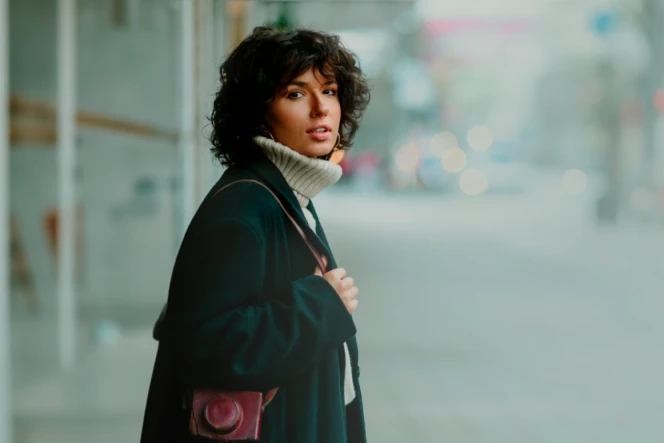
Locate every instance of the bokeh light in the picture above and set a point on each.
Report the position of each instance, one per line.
(401, 180)
(454, 160)
(658, 100)
(441, 142)
(575, 181)
(480, 138)
(407, 157)
(473, 182)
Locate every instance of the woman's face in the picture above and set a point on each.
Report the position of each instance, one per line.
(305, 115)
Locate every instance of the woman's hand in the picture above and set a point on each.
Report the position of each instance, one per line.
(344, 285)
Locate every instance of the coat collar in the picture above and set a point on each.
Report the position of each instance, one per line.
(270, 175)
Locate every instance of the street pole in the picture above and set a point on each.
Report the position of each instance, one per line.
(66, 123)
(608, 108)
(652, 80)
(205, 79)
(5, 348)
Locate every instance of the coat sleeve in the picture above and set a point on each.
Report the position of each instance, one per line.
(225, 339)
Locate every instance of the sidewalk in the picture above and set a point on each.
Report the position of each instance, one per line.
(100, 400)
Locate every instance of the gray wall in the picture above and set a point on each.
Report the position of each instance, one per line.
(125, 72)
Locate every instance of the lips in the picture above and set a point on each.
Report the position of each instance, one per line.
(320, 132)
(319, 129)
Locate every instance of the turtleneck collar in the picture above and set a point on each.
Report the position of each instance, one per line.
(305, 175)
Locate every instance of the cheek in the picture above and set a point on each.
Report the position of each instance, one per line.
(336, 106)
(287, 116)
(336, 111)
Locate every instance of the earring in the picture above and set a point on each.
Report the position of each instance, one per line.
(338, 145)
(337, 153)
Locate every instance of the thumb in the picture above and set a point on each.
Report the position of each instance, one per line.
(318, 272)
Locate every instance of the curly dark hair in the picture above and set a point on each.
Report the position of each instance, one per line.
(265, 62)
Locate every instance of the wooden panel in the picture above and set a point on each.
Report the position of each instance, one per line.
(35, 121)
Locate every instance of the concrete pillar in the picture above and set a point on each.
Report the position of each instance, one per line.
(66, 124)
(188, 115)
(5, 362)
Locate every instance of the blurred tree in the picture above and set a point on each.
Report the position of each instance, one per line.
(284, 18)
(119, 13)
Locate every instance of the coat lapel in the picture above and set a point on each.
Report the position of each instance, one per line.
(321, 234)
(272, 177)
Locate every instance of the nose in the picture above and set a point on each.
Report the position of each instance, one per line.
(319, 108)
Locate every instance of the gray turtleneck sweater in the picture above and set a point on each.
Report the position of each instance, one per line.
(307, 177)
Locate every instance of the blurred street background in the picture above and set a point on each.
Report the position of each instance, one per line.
(502, 210)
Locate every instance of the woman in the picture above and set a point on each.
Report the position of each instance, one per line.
(248, 309)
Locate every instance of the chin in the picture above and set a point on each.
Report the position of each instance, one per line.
(316, 150)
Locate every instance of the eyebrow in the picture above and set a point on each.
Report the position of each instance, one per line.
(303, 84)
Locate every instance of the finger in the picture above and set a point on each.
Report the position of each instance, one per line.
(352, 306)
(352, 293)
(325, 261)
(317, 271)
(348, 282)
(338, 273)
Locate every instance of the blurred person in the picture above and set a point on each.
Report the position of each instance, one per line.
(248, 307)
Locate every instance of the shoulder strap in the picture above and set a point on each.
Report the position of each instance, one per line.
(315, 253)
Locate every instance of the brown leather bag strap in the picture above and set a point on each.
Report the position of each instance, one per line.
(272, 392)
(315, 253)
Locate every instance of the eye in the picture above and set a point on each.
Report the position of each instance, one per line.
(294, 94)
(330, 92)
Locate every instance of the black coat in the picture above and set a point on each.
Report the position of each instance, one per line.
(245, 312)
